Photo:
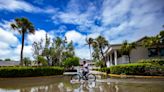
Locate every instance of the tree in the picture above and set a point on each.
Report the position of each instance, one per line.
(42, 60)
(102, 43)
(7, 59)
(46, 50)
(57, 50)
(155, 41)
(89, 43)
(126, 48)
(37, 48)
(27, 61)
(72, 61)
(68, 51)
(98, 44)
(54, 50)
(23, 26)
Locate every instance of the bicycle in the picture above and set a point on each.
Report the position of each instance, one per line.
(77, 77)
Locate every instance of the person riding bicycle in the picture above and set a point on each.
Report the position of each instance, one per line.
(85, 68)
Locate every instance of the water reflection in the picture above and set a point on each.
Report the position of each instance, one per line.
(62, 84)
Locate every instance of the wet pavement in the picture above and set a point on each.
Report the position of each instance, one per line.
(62, 84)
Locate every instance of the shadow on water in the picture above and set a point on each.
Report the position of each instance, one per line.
(62, 84)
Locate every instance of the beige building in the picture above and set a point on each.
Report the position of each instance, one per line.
(113, 57)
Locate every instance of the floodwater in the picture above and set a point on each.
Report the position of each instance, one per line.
(62, 84)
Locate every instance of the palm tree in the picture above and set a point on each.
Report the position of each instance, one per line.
(126, 48)
(152, 41)
(23, 26)
(155, 41)
(89, 43)
(102, 43)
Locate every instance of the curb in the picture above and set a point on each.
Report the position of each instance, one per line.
(133, 76)
(136, 76)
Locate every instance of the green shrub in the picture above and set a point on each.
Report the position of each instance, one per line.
(69, 62)
(42, 60)
(27, 61)
(30, 71)
(153, 61)
(137, 69)
(105, 69)
(99, 63)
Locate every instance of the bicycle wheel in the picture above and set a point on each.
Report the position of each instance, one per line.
(91, 77)
(75, 78)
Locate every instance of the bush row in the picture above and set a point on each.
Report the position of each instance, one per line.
(135, 69)
(30, 71)
(138, 69)
(104, 69)
(153, 61)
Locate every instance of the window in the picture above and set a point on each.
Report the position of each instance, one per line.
(152, 52)
(161, 51)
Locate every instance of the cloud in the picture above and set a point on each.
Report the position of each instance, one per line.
(20, 5)
(76, 37)
(83, 52)
(77, 14)
(11, 45)
(117, 20)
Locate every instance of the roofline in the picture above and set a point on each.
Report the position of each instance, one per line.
(121, 44)
(134, 41)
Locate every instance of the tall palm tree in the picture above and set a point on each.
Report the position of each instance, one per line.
(89, 43)
(23, 26)
(102, 43)
(126, 48)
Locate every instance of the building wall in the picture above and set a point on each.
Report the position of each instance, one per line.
(139, 53)
(123, 60)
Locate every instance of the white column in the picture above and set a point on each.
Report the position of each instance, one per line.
(115, 57)
(108, 63)
(111, 59)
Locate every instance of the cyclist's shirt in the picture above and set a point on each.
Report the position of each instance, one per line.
(86, 67)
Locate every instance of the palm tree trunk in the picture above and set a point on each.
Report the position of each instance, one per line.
(90, 52)
(21, 55)
(103, 56)
(129, 58)
(158, 51)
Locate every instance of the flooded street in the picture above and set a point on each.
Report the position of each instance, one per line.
(62, 84)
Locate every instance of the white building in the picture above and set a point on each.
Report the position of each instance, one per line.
(113, 57)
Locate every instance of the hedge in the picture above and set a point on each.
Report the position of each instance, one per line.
(30, 71)
(137, 69)
(153, 61)
(105, 69)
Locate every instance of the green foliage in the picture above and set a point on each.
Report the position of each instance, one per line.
(105, 69)
(153, 61)
(30, 71)
(69, 62)
(27, 61)
(23, 26)
(100, 64)
(42, 60)
(7, 59)
(54, 52)
(137, 69)
(126, 48)
(98, 44)
(1, 60)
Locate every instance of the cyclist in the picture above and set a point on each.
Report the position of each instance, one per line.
(85, 69)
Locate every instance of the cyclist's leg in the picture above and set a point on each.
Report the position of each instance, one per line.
(86, 75)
